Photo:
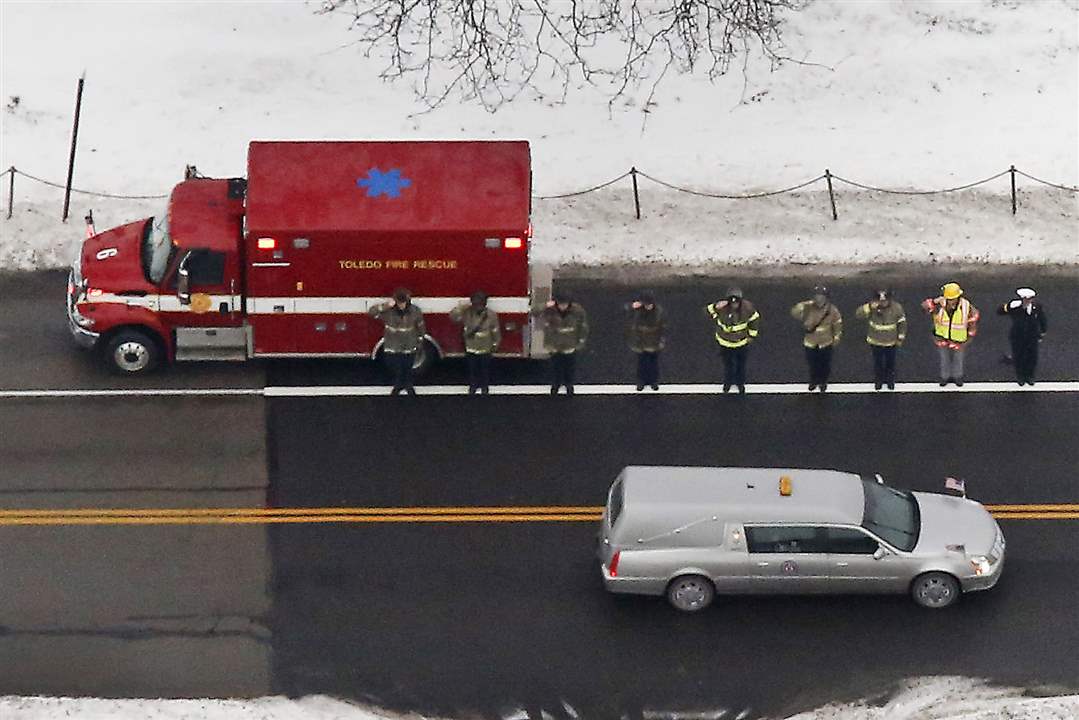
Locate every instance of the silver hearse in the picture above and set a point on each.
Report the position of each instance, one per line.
(692, 532)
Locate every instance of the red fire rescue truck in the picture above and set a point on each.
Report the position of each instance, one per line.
(287, 262)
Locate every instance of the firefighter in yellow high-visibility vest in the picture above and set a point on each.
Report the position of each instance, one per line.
(955, 323)
(737, 325)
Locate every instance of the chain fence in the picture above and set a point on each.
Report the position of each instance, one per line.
(633, 173)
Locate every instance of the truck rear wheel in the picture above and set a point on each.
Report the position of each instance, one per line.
(131, 352)
(424, 358)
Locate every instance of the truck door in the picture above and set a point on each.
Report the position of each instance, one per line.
(208, 323)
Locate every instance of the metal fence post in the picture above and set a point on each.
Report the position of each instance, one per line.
(10, 190)
(74, 138)
(636, 195)
(831, 193)
(1014, 203)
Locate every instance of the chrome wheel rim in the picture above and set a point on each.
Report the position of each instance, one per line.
(689, 595)
(936, 592)
(131, 356)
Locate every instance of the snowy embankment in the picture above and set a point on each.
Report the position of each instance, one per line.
(915, 94)
(941, 698)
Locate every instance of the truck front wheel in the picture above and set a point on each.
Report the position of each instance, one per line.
(131, 352)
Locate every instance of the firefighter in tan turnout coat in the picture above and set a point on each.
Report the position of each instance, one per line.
(482, 336)
(887, 329)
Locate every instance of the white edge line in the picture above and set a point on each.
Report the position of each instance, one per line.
(511, 390)
(130, 392)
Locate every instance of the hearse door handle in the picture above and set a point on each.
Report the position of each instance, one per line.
(842, 564)
(763, 564)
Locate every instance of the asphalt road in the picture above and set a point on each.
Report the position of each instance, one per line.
(480, 618)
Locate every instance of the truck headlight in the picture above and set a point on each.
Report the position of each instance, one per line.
(981, 564)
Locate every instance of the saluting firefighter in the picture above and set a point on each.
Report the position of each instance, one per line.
(404, 331)
(822, 325)
(955, 323)
(1029, 324)
(646, 330)
(482, 334)
(885, 335)
(737, 325)
(565, 330)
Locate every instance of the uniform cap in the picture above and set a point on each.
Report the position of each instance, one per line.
(647, 297)
(402, 295)
(951, 291)
(1025, 293)
(563, 297)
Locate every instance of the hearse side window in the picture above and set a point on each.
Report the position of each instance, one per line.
(846, 541)
(784, 539)
(617, 501)
(206, 267)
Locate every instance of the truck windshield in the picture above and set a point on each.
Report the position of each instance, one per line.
(891, 514)
(156, 247)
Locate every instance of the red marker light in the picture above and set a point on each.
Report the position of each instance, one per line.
(266, 243)
(612, 569)
(513, 243)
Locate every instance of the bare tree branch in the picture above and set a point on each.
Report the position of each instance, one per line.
(492, 51)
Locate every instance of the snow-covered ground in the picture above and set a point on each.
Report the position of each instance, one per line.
(914, 94)
(939, 698)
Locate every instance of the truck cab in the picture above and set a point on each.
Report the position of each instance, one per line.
(149, 291)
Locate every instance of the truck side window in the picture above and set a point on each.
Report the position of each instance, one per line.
(848, 541)
(206, 267)
(784, 539)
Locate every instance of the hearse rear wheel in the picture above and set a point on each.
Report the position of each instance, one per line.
(690, 593)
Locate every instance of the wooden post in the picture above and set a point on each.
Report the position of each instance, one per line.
(10, 190)
(1014, 203)
(74, 138)
(831, 193)
(636, 195)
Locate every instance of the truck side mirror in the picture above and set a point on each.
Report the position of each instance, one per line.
(183, 284)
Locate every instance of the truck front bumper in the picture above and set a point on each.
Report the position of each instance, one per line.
(83, 338)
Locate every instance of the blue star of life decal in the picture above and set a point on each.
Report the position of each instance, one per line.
(378, 183)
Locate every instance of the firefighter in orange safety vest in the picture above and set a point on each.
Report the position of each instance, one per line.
(955, 323)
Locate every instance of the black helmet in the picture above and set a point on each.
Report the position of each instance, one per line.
(479, 298)
(821, 290)
(402, 295)
(734, 293)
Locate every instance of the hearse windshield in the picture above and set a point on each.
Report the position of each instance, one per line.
(891, 514)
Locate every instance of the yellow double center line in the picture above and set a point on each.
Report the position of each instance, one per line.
(466, 514)
(255, 516)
